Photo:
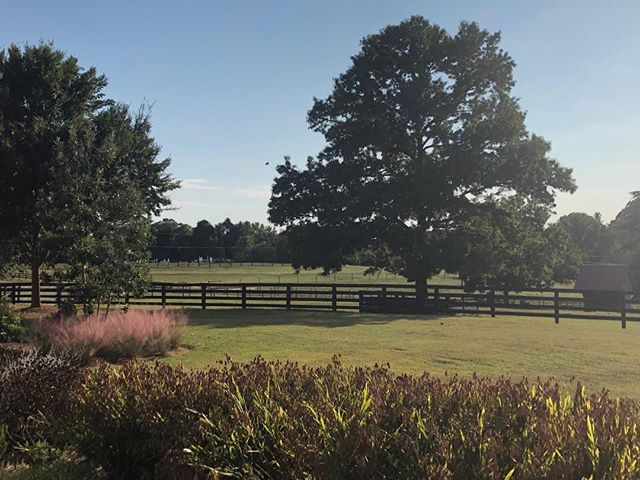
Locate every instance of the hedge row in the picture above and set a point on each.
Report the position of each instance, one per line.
(272, 420)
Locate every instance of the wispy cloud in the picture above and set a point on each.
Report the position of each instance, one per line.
(259, 191)
(188, 203)
(195, 184)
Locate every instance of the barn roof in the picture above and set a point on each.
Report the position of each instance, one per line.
(603, 277)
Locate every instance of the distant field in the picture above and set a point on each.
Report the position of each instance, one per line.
(265, 273)
(598, 353)
(277, 273)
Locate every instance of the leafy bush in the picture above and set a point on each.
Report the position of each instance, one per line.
(135, 333)
(271, 420)
(130, 419)
(34, 389)
(11, 329)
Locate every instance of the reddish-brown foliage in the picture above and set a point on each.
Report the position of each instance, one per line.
(136, 333)
(271, 420)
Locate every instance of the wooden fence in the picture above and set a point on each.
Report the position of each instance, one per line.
(445, 299)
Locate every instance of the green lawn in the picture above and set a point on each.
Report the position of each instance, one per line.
(278, 274)
(598, 353)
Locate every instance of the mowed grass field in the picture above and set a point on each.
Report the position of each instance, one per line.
(597, 353)
(247, 273)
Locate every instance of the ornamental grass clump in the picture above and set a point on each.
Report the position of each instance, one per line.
(273, 420)
(116, 336)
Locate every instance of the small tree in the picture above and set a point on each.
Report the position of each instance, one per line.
(114, 181)
(111, 261)
(422, 132)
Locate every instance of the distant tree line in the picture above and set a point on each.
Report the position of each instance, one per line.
(616, 242)
(224, 241)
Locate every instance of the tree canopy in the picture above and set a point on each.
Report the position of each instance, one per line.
(77, 167)
(512, 248)
(625, 233)
(588, 233)
(422, 132)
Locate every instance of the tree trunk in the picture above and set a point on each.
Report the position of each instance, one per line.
(35, 270)
(421, 291)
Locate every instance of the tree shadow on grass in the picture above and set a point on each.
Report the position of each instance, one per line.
(250, 318)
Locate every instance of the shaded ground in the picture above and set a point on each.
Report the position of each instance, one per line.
(598, 353)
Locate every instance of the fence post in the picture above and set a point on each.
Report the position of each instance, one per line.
(556, 305)
(13, 293)
(436, 296)
(623, 312)
(334, 298)
(164, 296)
(492, 296)
(19, 293)
(288, 297)
(59, 294)
(384, 299)
(244, 297)
(204, 296)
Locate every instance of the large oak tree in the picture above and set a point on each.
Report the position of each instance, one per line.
(422, 131)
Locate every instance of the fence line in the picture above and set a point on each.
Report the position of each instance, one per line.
(553, 303)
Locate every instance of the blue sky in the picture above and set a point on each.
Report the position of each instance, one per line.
(231, 81)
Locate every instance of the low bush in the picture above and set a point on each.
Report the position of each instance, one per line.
(4, 441)
(133, 418)
(57, 470)
(11, 328)
(131, 334)
(271, 420)
(34, 391)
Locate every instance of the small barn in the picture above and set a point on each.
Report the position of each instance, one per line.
(603, 285)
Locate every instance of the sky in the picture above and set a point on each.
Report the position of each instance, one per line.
(230, 82)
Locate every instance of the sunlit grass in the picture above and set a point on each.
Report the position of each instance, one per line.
(598, 353)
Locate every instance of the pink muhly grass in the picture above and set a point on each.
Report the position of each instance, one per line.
(136, 333)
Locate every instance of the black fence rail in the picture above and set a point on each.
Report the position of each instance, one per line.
(442, 299)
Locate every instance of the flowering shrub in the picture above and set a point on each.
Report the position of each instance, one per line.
(271, 420)
(136, 333)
